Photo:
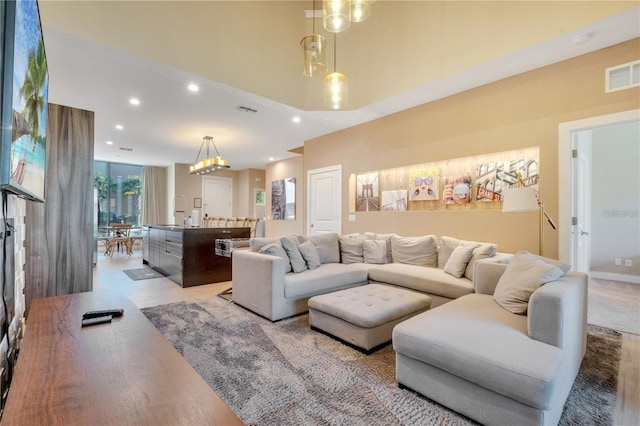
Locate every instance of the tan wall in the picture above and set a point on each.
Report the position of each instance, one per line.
(248, 180)
(518, 112)
(292, 167)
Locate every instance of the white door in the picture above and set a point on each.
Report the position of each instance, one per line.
(581, 200)
(324, 200)
(217, 196)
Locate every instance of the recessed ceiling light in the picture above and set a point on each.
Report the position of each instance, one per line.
(134, 101)
(193, 87)
(271, 158)
(296, 119)
(119, 126)
(109, 143)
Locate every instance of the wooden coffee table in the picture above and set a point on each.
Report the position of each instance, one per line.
(123, 372)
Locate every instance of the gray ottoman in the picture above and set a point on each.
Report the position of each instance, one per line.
(365, 316)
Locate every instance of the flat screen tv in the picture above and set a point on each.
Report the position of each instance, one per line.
(25, 86)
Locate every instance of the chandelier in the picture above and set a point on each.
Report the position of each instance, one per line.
(339, 14)
(208, 164)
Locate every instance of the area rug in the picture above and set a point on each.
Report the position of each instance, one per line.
(142, 274)
(285, 374)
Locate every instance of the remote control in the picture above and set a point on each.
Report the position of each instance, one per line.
(96, 320)
(103, 312)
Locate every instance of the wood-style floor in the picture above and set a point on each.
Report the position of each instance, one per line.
(605, 298)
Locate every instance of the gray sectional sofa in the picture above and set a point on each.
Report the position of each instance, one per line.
(502, 342)
(492, 365)
(262, 284)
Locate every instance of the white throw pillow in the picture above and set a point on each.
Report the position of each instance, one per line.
(447, 246)
(523, 276)
(459, 259)
(375, 251)
(485, 251)
(420, 251)
(351, 250)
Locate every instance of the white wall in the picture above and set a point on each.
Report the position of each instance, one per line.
(615, 195)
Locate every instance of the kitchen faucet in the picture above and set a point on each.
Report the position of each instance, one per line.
(183, 211)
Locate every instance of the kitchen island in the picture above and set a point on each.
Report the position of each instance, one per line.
(187, 255)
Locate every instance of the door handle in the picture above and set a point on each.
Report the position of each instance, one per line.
(584, 233)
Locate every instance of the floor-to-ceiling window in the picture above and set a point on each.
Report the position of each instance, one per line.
(119, 193)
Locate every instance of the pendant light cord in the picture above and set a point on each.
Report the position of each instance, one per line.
(335, 49)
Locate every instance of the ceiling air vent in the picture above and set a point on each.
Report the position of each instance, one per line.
(126, 149)
(622, 77)
(247, 109)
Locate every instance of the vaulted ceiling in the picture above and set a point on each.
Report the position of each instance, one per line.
(247, 53)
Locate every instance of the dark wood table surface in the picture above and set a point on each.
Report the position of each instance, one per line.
(119, 373)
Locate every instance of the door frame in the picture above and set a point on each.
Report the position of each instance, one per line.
(334, 168)
(565, 182)
(219, 178)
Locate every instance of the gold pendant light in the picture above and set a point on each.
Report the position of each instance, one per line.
(314, 51)
(360, 10)
(336, 15)
(335, 85)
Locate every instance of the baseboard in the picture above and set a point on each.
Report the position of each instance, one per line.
(615, 277)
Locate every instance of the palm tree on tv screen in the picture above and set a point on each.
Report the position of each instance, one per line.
(32, 89)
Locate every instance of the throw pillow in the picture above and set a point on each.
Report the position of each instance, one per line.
(421, 251)
(459, 259)
(523, 276)
(485, 251)
(351, 250)
(257, 243)
(277, 250)
(310, 254)
(290, 245)
(327, 246)
(375, 251)
(447, 246)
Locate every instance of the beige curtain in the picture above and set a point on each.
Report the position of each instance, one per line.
(151, 201)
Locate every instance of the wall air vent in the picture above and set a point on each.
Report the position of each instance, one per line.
(622, 77)
(125, 149)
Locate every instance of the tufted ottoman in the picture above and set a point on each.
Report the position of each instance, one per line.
(365, 316)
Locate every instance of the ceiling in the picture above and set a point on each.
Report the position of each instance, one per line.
(246, 53)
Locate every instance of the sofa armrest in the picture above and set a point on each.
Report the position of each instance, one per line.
(486, 275)
(258, 281)
(557, 313)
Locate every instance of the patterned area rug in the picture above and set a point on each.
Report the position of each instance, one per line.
(285, 374)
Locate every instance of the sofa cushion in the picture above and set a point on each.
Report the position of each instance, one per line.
(459, 259)
(473, 338)
(421, 251)
(327, 246)
(375, 251)
(427, 280)
(290, 245)
(523, 276)
(324, 279)
(309, 254)
(275, 249)
(351, 250)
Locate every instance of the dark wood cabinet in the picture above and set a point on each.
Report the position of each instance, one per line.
(187, 255)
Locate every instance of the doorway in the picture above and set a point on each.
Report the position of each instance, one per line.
(324, 200)
(592, 157)
(217, 194)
